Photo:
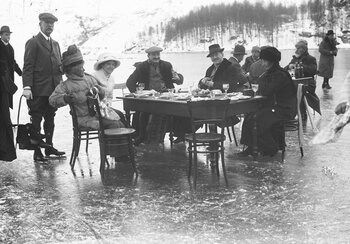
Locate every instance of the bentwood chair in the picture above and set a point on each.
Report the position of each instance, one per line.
(212, 112)
(115, 142)
(293, 125)
(79, 134)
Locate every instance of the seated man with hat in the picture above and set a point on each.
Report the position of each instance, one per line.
(222, 71)
(158, 75)
(76, 88)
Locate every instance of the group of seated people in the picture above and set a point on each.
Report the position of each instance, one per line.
(262, 67)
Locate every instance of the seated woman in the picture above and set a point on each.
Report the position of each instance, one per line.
(105, 65)
(280, 104)
(75, 89)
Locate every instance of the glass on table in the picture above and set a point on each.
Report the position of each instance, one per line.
(225, 87)
(140, 87)
(255, 88)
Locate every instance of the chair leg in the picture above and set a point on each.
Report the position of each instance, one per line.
(223, 163)
(195, 169)
(234, 135)
(282, 156)
(131, 154)
(228, 133)
(302, 151)
(217, 164)
(189, 160)
(72, 156)
(102, 156)
(87, 142)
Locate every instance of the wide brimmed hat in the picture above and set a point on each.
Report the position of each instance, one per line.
(5, 28)
(104, 57)
(270, 54)
(239, 49)
(71, 56)
(153, 49)
(330, 32)
(47, 17)
(214, 49)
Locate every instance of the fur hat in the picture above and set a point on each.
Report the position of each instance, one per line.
(270, 54)
(104, 57)
(72, 55)
(214, 48)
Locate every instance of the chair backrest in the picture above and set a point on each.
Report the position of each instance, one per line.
(208, 112)
(73, 114)
(94, 102)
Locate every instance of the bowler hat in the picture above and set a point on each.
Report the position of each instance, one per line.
(5, 28)
(47, 17)
(153, 49)
(239, 49)
(330, 32)
(104, 57)
(214, 49)
(270, 54)
(71, 56)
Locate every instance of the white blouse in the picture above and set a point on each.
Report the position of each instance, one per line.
(105, 81)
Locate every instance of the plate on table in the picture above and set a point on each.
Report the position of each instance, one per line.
(244, 97)
(183, 97)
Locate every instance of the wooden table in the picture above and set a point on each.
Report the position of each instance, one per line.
(180, 108)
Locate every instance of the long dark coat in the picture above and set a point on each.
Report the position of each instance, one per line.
(8, 64)
(226, 72)
(42, 69)
(7, 89)
(280, 104)
(141, 75)
(326, 64)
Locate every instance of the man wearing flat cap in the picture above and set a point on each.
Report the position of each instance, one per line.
(7, 88)
(251, 59)
(42, 72)
(155, 74)
(308, 63)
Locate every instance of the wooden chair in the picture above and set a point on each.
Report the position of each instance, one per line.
(207, 112)
(79, 134)
(114, 141)
(293, 125)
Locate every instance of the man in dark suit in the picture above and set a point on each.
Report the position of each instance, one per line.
(222, 71)
(158, 75)
(7, 89)
(7, 57)
(42, 72)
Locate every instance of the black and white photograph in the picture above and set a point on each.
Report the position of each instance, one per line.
(174, 121)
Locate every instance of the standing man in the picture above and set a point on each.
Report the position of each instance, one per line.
(328, 51)
(7, 88)
(42, 72)
(251, 59)
(7, 57)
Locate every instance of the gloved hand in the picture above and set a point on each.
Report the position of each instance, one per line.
(68, 98)
(27, 93)
(341, 108)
